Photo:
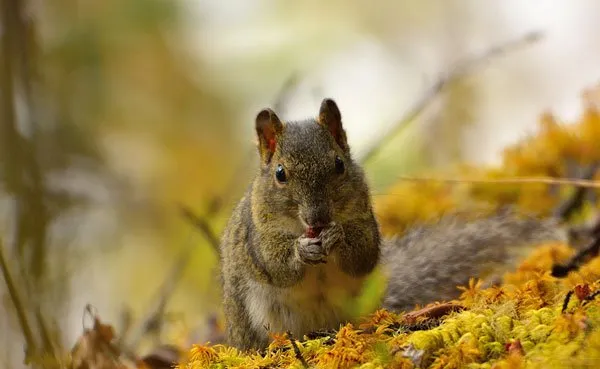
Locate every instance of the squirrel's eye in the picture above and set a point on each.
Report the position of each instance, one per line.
(339, 165)
(280, 174)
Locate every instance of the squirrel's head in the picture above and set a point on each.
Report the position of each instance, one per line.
(307, 177)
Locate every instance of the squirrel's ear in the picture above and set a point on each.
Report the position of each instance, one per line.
(330, 117)
(268, 128)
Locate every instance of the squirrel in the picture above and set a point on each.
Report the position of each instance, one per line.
(303, 239)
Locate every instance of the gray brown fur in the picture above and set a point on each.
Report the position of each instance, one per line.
(275, 278)
(430, 261)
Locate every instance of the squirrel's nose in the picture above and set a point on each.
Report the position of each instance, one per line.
(317, 217)
(318, 224)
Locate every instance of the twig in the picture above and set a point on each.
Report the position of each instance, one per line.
(152, 321)
(565, 210)
(125, 323)
(284, 91)
(330, 335)
(24, 175)
(589, 229)
(297, 350)
(18, 303)
(203, 226)
(591, 250)
(217, 203)
(461, 69)
(414, 327)
(278, 105)
(591, 297)
(515, 180)
(50, 344)
(566, 301)
(433, 311)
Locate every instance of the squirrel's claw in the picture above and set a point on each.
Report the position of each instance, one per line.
(311, 251)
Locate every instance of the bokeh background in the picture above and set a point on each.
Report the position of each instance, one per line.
(116, 115)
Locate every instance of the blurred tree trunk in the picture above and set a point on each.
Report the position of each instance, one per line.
(22, 174)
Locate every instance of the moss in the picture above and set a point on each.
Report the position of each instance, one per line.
(475, 337)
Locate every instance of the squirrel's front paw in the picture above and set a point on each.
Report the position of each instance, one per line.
(311, 251)
(331, 236)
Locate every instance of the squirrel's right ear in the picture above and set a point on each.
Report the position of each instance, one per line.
(331, 118)
(268, 128)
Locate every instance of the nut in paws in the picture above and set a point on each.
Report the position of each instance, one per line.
(311, 250)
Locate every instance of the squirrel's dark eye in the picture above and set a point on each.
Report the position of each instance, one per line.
(339, 165)
(280, 174)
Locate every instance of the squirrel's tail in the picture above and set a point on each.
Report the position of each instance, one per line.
(429, 262)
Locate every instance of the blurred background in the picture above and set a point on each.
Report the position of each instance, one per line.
(117, 115)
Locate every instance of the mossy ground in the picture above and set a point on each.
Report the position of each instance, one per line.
(523, 323)
(519, 324)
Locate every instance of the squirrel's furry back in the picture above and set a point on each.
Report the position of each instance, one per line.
(430, 261)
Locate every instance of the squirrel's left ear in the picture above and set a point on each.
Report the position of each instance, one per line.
(331, 118)
(268, 129)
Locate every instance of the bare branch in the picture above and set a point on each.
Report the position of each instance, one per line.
(459, 71)
(566, 209)
(18, 303)
(591, 250)
(514, 180)
(203, 226)
(153, 319)
(297, 351)
(284, 92)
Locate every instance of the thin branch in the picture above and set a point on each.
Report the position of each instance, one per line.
(297, 351)
(203, 226)
(10, 143)
(46, 335)
(280, 100)
(18, 303)
(217, 203)
(153, 319)
(24, 175)
(566, 209)
(591, 297)
(460, 70)
(591, 250)
(566, 301)
(284, 92)
(514, 180)
(125, 323)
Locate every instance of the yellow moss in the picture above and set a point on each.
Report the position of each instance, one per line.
(202, 355)
(348, 350)
(530, 313)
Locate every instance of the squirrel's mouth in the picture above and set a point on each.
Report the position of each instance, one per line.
(313, 232)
